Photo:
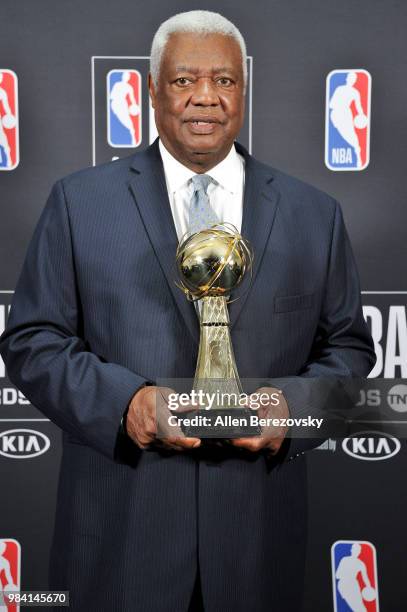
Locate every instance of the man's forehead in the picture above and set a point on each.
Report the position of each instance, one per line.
(198, 43)
(184, 53)
(195, 69)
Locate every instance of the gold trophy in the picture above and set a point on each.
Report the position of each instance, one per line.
(211, 263)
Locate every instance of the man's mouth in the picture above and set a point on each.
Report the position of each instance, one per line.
(203, 126)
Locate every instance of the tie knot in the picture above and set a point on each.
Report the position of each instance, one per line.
(201, 182)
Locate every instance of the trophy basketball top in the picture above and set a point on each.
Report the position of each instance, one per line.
(213, 261)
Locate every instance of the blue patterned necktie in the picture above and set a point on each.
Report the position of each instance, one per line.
(201, 214)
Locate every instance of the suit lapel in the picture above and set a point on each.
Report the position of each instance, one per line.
(259, 209)
(148, 187)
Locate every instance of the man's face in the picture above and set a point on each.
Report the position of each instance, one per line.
(199, 102)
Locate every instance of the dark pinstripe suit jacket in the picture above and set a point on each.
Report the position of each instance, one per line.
(96, 313)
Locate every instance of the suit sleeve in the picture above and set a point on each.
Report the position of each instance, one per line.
(44, 353)
(342, 348)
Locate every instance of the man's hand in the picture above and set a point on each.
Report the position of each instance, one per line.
(271, 437)
(148, 407)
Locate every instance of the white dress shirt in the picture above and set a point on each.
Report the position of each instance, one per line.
(225, 196)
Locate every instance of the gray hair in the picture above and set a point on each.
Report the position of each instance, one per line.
(197, 22)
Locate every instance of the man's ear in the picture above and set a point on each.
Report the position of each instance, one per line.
(151, 89)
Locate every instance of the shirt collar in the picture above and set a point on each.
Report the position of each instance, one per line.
(176, 174)
(227, 173)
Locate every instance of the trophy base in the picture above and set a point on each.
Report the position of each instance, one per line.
(220, 423)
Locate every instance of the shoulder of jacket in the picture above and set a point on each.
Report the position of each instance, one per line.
(293, 186)
(91, 175)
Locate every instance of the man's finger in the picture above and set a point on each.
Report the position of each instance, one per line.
(163, 443)
(150, 425)
(252, 444)
(142, 440)
(183, 442)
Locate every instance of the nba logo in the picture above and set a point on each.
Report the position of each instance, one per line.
(347, 123)
(124, 108)
(9, 146)
(10, 564)
(354, 576)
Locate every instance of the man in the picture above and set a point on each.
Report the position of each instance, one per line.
(172, 525)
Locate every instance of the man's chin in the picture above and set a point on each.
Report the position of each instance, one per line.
(201, 150)
(203, 143)
(207, 147)
(201, 153)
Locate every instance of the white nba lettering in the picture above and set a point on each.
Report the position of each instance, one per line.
(32, 444)
(8, 444)
(396, 335)
(357, 444)
(342, 155)
(376, 329)
(383, 445)
(335, 156)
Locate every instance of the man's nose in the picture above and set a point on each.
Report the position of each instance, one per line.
(205, 92)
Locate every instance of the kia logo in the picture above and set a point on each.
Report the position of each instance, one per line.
(23, 443)
(371, 446)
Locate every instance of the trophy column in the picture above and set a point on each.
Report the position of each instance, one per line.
(216, 367)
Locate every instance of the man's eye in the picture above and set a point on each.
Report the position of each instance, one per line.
(183, 81)
(225, 82)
